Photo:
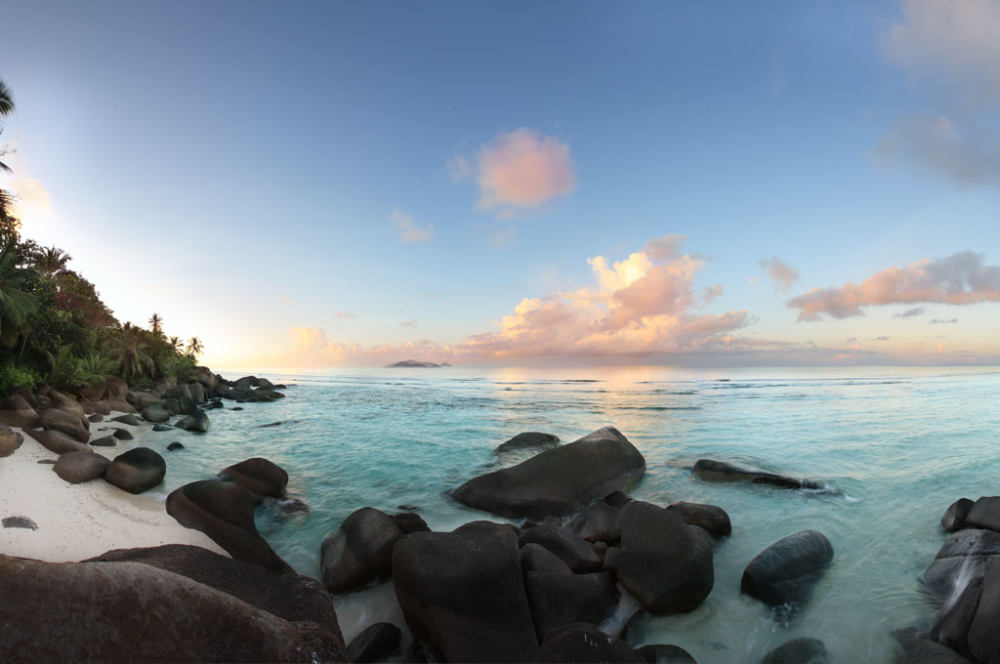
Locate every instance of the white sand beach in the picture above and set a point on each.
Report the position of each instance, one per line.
(78, 521)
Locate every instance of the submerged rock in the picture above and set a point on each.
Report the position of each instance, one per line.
(528, 440)
(785, 572)
(720, 471)
(659, 653)
(359, 551)
(584, 643)
(175, 446)
(918, 648)
(557, 481)
(798, 651)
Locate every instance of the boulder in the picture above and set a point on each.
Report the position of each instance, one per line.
(951, 627)
(116, 388)
(15, 412)
(462, 593)
(205, 376)
(10, 440)
(94, 392)
(104, 441)
(116, 404)
(962, 557)
(984, 513)
(720, 471)
(101, 407)
(536, 558)
(224, 512)
(557, 481)
(359, 551)
(174, 446)
(917, 648)
(376, 643)
(662, 653)
(798, 651)
(71, 424)
(598, 522)
(582, 643)
(984, 632)
(162, 427)
(197, 392)
(141, 399)
(128, 419)
(127, 611)
(56, 441)
(95, 418)
(264, 394)
(197, 423)
(409, 522)
(136, 470)
(665, 563)
(65, 402)
(529, 440)
(571, 549)
(123, 434)
(713, 519)
(78, 467)
(259, 476)
(557, 600)
(155, 413)
(785, 572)
(18, 522)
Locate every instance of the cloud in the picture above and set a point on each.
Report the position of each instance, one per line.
(961, 278)
(408, 229)
(639, 306)
(518, 170)
(310, 347)
(409, 323)
(968, 156)
(345, 314)
(881, 338)
(911, 312)
(783, 274)
(944, 321)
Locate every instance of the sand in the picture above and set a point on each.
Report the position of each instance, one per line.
(78, 521)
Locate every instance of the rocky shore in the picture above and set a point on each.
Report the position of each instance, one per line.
(573, 567)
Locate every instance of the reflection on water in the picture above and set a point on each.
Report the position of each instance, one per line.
(898, 444)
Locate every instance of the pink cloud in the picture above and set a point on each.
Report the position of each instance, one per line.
(408, 229)
(518, 170)
(783, 274)
(961, 278)
(310, 347)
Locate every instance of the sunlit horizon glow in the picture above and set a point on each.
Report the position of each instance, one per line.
(636, 184)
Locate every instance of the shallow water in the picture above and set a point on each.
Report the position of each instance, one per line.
(895, 446)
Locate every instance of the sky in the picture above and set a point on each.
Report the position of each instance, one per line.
(355, 183)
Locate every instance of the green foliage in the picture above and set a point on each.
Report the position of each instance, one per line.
(16, 303)
(66, 370)
(181, 367)
(14, 376)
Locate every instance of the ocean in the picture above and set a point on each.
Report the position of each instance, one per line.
(893, 447)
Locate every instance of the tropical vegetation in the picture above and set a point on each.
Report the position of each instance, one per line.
(54, 328)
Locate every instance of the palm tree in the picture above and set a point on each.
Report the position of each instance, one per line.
(194, 347)
(50, 261)
(6, 108)
(8, 222)
(15, 303)
(130, 352)
(156, 324)
(176, 344)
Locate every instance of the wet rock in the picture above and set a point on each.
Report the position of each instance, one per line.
(95, 418)
(104, 441)
(963, 556)
(571, 549)
(75, 467)
(56, 441)
(582, 643)
(785, 572)
(917, 648)
(985, 513)
(798, 651)
(224, 512)
(536, 558)
(661, 653)
(155, 413)
(359, 551)
(18, 522)
(15, 411)
(720, 471)
(409, 522)
(598, 522)
(293, 506)
(197, 423)
(129, 419)
(954, 517)
(528, 440)
(259, 476)
(984, 632)
(463, 593)
(175, 446)
(951, 628)
(557, 600)
(713, 519)
(74, 425)
(376, 643)
(665, 563)
(557, 481)
(123, 434)
(46, 461)
(162, 427)
(136, 470)
(119, 405)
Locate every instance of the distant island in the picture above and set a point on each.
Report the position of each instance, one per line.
(414, 363)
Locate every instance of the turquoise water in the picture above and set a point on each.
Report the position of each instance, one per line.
(896, 446)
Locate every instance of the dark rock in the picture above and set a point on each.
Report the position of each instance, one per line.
(187, 406)
(77, 467)
(96, 417)
(155, 413)
(46, 461)
(116, 388)
(798, 651)
(785, 572)
(198, 422)
(74, 425)
(711, 518)
(236, 408)
(142, 399)
(598, 522)
(536, 558)
(271, 424)
(617, 499)
(917, 648)
(585, 644)
(359, 551)
(962, 556)
(18, 522)
(376, 643)
(197, 392)
(293, 506)
(94, 392)
(123, 434)
(463, 593)
(529, 440)
(101, 407)
(661, 653)
(561, 599)
(129, 419)
(665, 563)
(16, 412)
(224, 512)
(985, 513)
(409, 522)
(720, 471)
(175, 446)
(67, 403)
(9, 440)
(119, 405)
(572, 549)
(131, 612)
(259, 476)
(162, 427)
(984, 632)
(557, 481)
(104, 441)
(136, 470)
(212, 405)
(56, 441)
(954, 620)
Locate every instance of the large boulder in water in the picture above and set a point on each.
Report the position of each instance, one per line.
(665, 563)
(598, 522)
(224, 512)
(75, 467)
(785, 572)
(15, 411)
(984, 632)
(141, 399)
(71, 424)
(259, 476)
(529, 440)
(558, 481)
(962, 557)
(132, 612)
(558, 600)
(463, 594)
(582, 643)
(359, 551)
(155, 413)
(376, 643)
(720, 471)
(954, 517)
(197, 423)
(57, 441)
(572, 549)
(710, 517)
(137, 470)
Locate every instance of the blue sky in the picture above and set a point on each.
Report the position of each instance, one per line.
(236, 167)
